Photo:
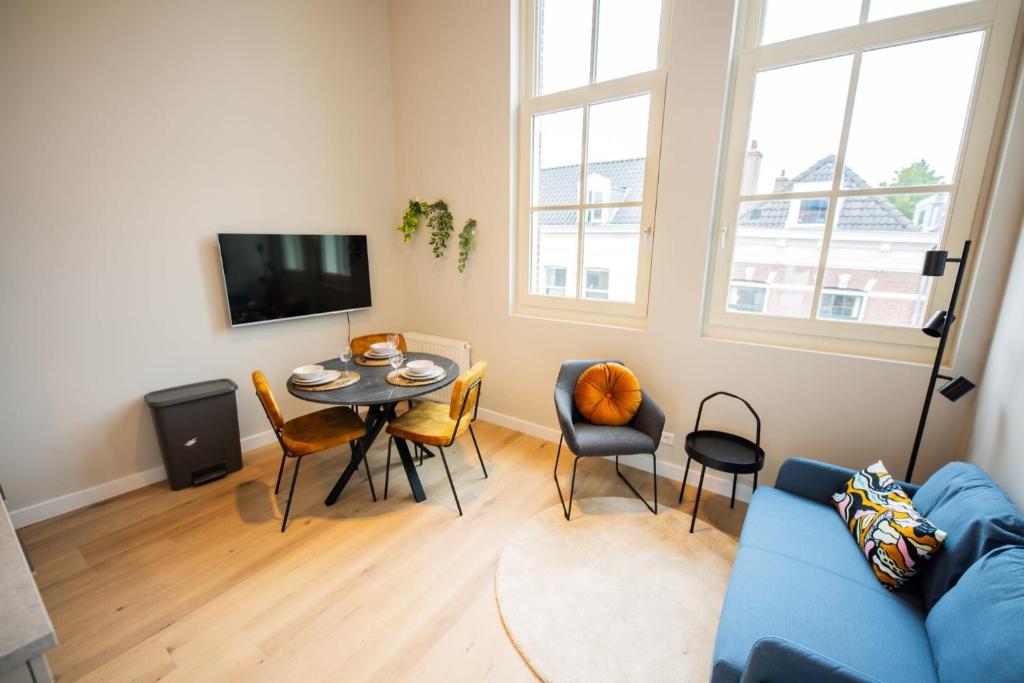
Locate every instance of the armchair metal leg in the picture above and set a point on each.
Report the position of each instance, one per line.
(696, 503)
(755, 482)
(732, 501)
(633, 489)
(572, 486)
(387, 467)
(357, 451)
(288, 507)
(477, 447)
(686, 473)
(280, 471)
(450, 482)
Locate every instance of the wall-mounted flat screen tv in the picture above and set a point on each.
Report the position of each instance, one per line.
(275, 277)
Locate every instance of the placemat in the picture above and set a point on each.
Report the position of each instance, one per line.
(395, 377)
(372, 362)
(339, 383)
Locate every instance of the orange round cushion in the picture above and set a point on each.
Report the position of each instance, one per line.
(607, 394)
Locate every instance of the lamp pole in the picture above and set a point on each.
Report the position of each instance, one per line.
(935, 375)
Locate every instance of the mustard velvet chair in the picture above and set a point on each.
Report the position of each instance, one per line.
(436, 424)
(309, 434)
(361, 345)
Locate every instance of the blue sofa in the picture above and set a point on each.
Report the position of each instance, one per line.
(803, 604)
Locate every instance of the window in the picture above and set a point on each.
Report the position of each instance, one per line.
(841, 306)
(747, 297)
(843, 158)
(813, 211)
(589, 135)
(596, 284)
(554, 281)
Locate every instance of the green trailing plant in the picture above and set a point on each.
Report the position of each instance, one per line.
(411, 219)
(466, 242)
(441, 226)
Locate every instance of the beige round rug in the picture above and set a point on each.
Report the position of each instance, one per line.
(616, 594)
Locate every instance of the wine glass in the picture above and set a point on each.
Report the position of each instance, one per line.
(345, 355)
(393, 341)
(396, 360)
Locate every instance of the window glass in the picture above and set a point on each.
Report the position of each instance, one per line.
(557, 142)
(627, 37)
(612, 246)
(596, 284)
(836, 306)
(617, 147)
(554, 241)
(910, 111)
(785, 19)
(747, 298)
(883, 9)
(563, 44)
(795, 125)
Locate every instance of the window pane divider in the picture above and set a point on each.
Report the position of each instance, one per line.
(584, 205)
(837, 180)
(848, 192)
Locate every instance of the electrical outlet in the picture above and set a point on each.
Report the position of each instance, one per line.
(668, 438)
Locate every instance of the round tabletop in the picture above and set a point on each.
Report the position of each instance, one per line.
(373, 387)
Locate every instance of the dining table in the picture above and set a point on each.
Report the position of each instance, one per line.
(381, 398)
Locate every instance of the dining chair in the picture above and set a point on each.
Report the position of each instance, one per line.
(361, 345)
(310, 434)
(437, 424)
(640, 436)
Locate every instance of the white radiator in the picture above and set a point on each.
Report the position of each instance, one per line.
(453, 349)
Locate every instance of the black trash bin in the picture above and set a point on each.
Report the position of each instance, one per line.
(197, 427)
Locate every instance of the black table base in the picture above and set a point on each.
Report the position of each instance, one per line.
(377, 417)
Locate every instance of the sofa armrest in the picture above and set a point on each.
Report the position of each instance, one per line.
(817, 481)
(780, 661)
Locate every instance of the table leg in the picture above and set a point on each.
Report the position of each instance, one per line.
(376, 418)
(410, 470)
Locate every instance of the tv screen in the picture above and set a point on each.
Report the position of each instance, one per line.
(273, 277)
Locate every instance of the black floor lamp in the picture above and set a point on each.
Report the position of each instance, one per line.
(938, 326)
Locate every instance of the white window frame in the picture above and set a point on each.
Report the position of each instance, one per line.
(967, 189)
(531, 104)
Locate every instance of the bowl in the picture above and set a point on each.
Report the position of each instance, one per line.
(307, 372)
(420, 367)
(380, 348)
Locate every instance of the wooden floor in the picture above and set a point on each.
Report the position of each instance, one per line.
(200, 585)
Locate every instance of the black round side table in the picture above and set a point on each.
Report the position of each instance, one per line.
(723, 452)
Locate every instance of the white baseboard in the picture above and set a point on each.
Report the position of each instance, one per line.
(95, 494)
(719, 482)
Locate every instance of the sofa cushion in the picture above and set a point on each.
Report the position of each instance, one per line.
(895, 538)
(807, 531)
(872, 631)
(977, 627)
(961, 499)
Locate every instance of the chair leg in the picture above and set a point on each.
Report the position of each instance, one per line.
(387, 467)
(477, 447)
(450, 482)
(357, 451)
(288, 507)
(696, 503)
(419, 451)
(633, 489)
(572, 486)
(755, 482)
(732, 501)
(686, 473)
(280, 471)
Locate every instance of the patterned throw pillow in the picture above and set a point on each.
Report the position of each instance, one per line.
(895, 538)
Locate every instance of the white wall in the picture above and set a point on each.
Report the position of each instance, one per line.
(132, 132)
(451, 60)
(998, 442)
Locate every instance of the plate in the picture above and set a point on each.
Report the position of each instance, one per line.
(328, 376)
(437, 371)
(372, 354)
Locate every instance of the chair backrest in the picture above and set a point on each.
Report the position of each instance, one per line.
(266, 397)
(361, 345)
(463, 404)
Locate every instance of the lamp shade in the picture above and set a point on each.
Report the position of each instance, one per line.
(935, 324)
(956, 388)
(934, 263)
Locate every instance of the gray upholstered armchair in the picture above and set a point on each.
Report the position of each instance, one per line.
(640, 437)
